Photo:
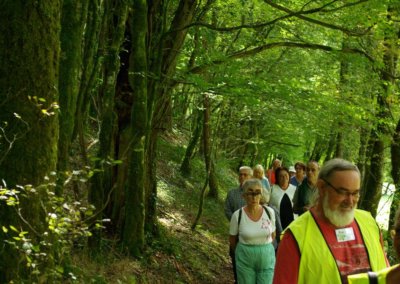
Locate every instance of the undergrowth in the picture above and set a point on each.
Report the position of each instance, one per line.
(178, 254)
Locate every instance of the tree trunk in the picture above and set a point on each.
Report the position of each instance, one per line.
(30, 49)
(373, 187)
(374, 177)
(91, 62)
(253, 146)
(331, 145)
(339, 143)
(103, 181)
(185, 166)
(207, 156)
(343, 86)
(362, 152)
(156, 30)
(213, 185)
(393, 57)
(395, 157)
(74, 16)
(383, 130)
(163, 52)
(319, 149)
(213, 182)
(133, 231)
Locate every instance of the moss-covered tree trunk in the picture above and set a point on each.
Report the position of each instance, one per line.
(395, 157)
(339, 143)
(197, 130)
(74, 15)
(133, 231)
(319, 148)
(331, 145)
(394, 11)
(343, 89)
(253, 143)
(156, 29)
(210, 170)
(115, 17)
(375, 175)
(163, 53)
(29, 60)
(198, 126)
(207, 155)
(93, 52)
(362, 151)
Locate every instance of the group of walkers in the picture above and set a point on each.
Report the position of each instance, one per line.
(325, 238)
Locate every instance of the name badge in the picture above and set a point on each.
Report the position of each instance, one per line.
(345, 234)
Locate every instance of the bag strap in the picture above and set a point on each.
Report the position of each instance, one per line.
(240, 216)
(241, 209)
(267, 211)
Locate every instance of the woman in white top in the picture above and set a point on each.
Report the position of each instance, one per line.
(282, 194)
(252, 230)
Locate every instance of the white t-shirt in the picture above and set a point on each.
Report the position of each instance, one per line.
(253, 232)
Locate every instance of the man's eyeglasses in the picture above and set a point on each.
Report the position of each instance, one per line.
(254, 194)
(343, 192)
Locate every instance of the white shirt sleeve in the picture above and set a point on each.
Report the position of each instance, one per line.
(233, 227)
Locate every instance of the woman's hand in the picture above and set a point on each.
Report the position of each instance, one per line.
(233, 240)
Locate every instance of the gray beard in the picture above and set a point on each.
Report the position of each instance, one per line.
(337, 218)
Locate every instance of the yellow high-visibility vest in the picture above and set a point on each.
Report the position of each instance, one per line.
(364, 278)
(317, 264)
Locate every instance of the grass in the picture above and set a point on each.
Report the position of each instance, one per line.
(178, 254)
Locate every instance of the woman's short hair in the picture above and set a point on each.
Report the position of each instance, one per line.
(278, 170)
(251, 182)
(256, 182)
(259, 168)
(300, 164)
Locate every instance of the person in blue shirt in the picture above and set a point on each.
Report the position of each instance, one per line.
(298, 178)
(258, 172)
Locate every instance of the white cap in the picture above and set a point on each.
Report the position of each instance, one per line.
(291, 169)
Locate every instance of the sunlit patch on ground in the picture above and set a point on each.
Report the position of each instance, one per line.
(206, 251)
(163, 194)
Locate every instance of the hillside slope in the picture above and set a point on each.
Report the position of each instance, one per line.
(178, 254)
(199, 256)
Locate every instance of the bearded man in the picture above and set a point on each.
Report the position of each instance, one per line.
(333, 239)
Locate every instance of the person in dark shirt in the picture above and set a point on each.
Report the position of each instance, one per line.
(306, 191)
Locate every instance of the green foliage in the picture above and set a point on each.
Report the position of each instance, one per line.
(45, 251)
(281, 83)
(294, 94)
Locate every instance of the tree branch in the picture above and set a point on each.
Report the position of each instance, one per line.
(300, 15)
(256, 50)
